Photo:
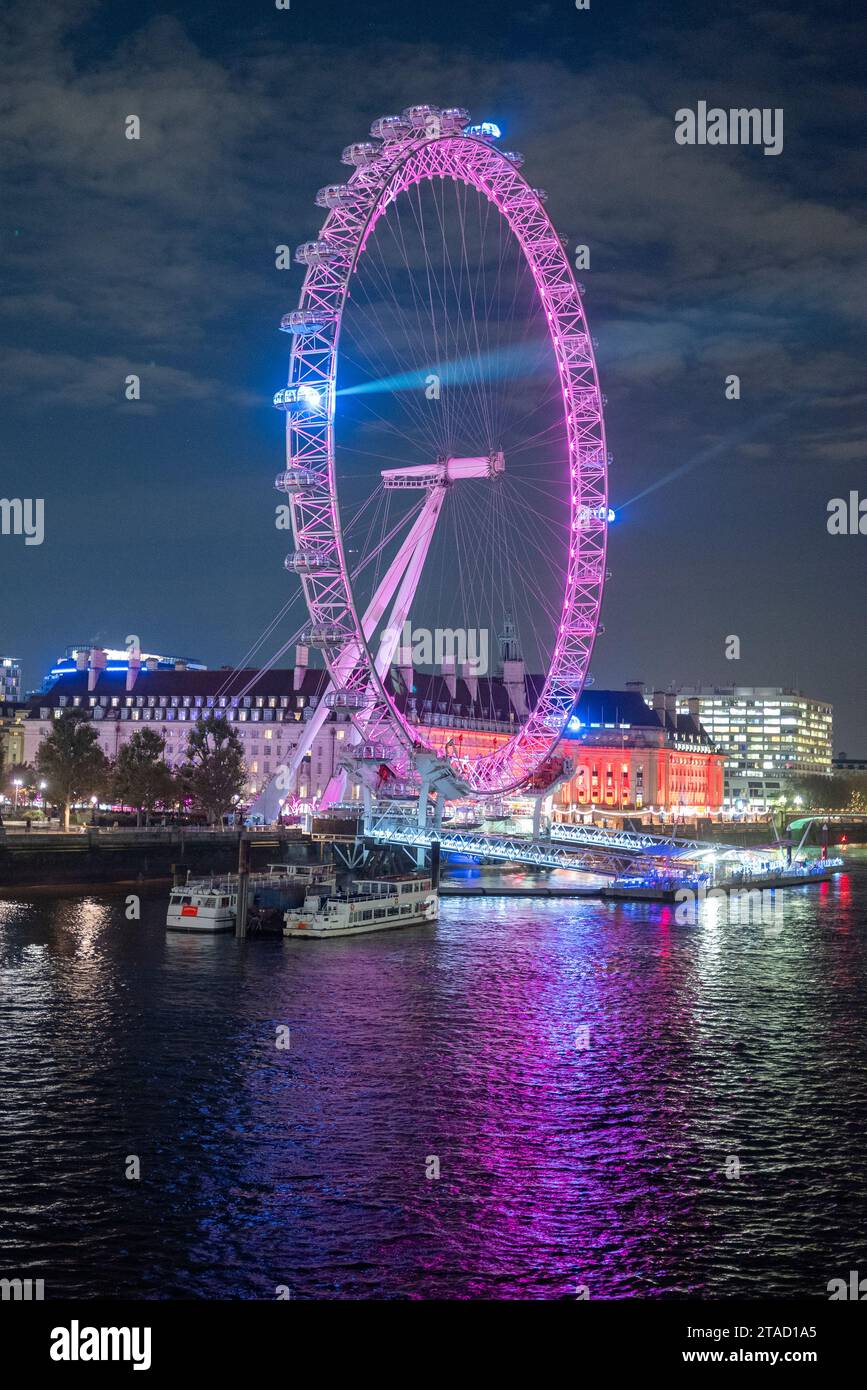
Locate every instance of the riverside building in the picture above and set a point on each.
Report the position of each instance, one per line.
(630, 756)
(766, 733)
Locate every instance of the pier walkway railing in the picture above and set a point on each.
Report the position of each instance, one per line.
(513, 849)
(635, 842)
(587, 848)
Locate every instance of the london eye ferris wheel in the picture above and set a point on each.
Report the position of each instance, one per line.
(445, 446)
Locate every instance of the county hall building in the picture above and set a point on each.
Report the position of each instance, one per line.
(630, 754)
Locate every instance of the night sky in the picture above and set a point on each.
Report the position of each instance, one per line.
(156, 257)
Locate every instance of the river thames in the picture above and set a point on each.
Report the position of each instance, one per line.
(617, 1104)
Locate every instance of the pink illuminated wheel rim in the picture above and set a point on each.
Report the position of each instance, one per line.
(389, 173)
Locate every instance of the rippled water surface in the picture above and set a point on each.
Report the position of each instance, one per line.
(560, 1165)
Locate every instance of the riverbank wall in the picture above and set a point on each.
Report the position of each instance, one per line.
(43, 859)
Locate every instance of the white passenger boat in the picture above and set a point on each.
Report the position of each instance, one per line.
(210, 904)
(376, 905)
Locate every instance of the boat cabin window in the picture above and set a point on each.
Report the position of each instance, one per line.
(210, 902)
(224, 902)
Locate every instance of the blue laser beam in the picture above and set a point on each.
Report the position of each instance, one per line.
(519, 359)
(713, 451)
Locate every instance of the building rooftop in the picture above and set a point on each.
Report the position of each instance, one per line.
(746, 692)
(485, 699)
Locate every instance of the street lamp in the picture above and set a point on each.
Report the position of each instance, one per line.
(16, 782)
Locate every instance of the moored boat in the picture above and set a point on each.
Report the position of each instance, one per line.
(209, 905)
(660, 886)
(375, 905)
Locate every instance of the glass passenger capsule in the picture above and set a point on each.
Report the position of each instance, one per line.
(300, 401)
(361, 153)
(324, 635)
(317, 253)
(418, 116)
(454, 118)
(296, 479)
(389, 128)
(514, 157)
(337, 195)
(300, 321)
(311, 562)
(347, 699)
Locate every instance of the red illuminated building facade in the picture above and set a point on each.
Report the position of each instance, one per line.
(632, 756)
(629, 755)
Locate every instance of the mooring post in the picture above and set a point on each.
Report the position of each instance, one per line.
(243, 886)
(435, 864)
(421, 822)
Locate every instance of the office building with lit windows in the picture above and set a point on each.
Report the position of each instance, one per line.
(768, 734)
(10, 679)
